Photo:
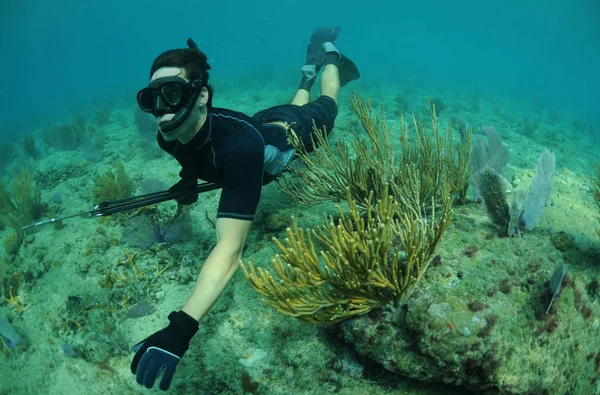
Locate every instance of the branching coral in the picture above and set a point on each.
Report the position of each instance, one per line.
(113, 185)
(16, 302)
(369, 260)
(369, 164)
(24, 205)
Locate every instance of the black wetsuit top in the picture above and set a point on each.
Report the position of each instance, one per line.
(236, 151)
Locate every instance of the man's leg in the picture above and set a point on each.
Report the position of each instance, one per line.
(301, 97)
(309, 75)
(315, 59)
(330, 80)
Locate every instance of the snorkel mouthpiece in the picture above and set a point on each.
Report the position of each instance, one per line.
(176, 121)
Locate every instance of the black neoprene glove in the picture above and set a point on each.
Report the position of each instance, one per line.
(186, 183)
(161, 352)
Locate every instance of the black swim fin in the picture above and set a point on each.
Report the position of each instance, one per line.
(348, 71)
(315, 54)
(346, 68)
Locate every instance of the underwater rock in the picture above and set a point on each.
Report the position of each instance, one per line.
(276, 222)
(501, 347)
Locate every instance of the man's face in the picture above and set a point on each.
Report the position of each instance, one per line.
(191, 125)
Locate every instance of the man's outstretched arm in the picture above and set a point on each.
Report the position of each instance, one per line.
(163, 350)
(219, 267)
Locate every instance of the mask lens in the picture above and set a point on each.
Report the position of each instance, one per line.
(172, 94)
(145, 99)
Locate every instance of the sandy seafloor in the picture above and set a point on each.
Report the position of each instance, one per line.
(241, 334)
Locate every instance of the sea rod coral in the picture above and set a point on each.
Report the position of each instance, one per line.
(367, 261)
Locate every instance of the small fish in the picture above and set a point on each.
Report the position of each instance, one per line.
(8, 333)
(68, 350)
(139, 310)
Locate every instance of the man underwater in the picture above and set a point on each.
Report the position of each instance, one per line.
(239, 152)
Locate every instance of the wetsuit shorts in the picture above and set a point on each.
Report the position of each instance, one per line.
(321, 111)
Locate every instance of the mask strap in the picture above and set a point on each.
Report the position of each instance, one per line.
(192, 44)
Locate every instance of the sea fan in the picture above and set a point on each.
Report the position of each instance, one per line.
(144, 231)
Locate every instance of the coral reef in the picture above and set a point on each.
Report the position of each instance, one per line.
(476, 318)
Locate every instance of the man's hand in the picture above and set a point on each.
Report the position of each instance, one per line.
(161, 352)
(186, 183)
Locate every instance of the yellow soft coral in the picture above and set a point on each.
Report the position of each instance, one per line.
(369, 260)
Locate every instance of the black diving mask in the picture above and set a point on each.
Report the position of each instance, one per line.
(167, 95)
(170, 95)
